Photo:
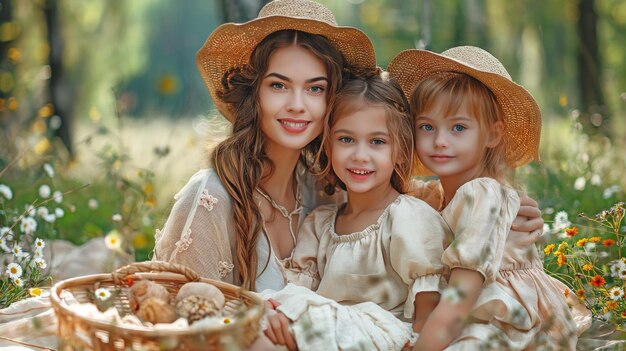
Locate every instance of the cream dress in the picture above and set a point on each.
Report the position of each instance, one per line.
(520, 307)
(365, 281)
(200, 230)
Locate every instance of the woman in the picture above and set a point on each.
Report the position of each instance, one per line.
(273, 78)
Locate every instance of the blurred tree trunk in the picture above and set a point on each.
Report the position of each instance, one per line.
(594, 112)
(60, 94)
(6, 16)
(240, 10)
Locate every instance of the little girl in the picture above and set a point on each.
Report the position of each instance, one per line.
(474, 124)
(373, 259)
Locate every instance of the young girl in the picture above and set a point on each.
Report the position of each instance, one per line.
(377, 252)
(474, 124)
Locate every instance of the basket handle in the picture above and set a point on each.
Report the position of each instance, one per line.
(122, 273)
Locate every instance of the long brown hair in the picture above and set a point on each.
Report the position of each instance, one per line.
(456, 89)
(375, 90)
(240, 161)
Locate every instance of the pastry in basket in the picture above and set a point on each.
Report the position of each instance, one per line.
(156, 310)
(201, 289)
(198, 300)
(145, 289)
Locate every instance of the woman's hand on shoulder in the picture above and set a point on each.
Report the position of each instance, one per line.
(529, 219)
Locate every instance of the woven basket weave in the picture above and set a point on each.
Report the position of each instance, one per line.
(78, 332)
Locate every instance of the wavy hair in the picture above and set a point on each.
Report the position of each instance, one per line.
(372, 90)
(240, 161)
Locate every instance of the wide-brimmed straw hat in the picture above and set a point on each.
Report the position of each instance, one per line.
(232, 43)
(522, 116)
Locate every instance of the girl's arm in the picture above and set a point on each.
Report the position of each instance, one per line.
(425, 303)
(446, 321)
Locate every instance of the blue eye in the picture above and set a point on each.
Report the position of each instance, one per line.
(277, 85)
(378, 142)
(426, 127)
(345, 140)
(316, 89)
(458, 128)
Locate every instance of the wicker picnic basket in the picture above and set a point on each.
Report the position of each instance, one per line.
(78, 332)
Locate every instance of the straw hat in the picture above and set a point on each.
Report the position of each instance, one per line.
(522, 117)
(232, 43)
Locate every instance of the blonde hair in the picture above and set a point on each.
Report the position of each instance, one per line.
(452, 90)
(373, 90)
(240, 161)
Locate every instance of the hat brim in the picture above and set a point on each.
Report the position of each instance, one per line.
(522, 116)
(231, 44)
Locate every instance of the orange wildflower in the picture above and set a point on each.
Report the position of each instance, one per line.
(608, 242)
(581, 242)
(594, 239)
(611, 305)
(597, 281)
(571, 231)
(623, 314)
(587, 267)
(566, 292)
(560, 258)
(580, 293)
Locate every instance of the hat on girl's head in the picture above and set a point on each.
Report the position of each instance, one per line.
(522, 117)
(232, 43)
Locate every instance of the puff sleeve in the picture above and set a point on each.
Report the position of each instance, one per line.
(417, 239)
(480, 216)
(199, 232)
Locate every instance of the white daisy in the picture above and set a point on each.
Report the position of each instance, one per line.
(14, 270)
(596, 180)
(116, 217)
(41, 263)
(50, 218)
(616, 293)
(38, 253)
(103, 294)
(39, 244)
(579, 184)
(4, 246)
(59, 212)
(18, 282)
(42, 211)
(58, 197)
(17, 250)
(28, 225)
(6, 232)
(30, 210)
(6, 192)
(48, 169)
(113, 240)
(44, 191)
(590, 246)
(92, 204)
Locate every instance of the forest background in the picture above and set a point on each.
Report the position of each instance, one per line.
(107, 93)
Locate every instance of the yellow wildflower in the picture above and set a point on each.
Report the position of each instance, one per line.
(548, 249)
(562, 246)
(582, 242)
(560, 258)
(587, 267)
(595, 239)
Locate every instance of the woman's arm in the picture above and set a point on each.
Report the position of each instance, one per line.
(446, 321)
(425, 303)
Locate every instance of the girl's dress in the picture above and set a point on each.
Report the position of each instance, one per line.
(365, 282)
(520, 307)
